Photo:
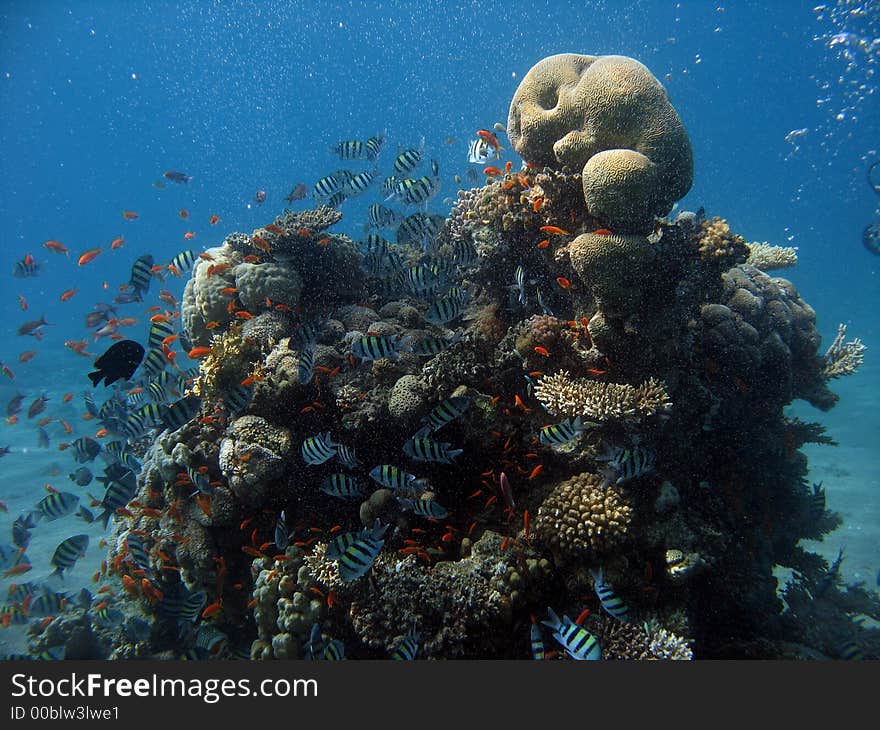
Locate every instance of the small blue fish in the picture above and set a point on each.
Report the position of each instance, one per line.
(830, 576)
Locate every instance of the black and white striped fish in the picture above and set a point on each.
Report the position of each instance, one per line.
(480, 152)
(306, 365)
(360, 182)
(342, 485)
(351, 149)
(422, 448)
(358, 556)
(431, 344)
(326, 186)
(56, 505)
(408, 647)
(625, 463)
(519, 283)
(68, 552)
(376, 347)
(158, 332)
(184, 261)
(428, 508)
(141, 276)
(238, 398)
(154, 363)
(464, 253)
(579, 643)
(408, 160)
(557, 434)
(373, 146)
(180, 412)
(444, 310)
(392, 477)
(378, 216)
(447, 411)
(610, 601)
(139, 554)
(346, 456)
(282, 533)
(318, 449)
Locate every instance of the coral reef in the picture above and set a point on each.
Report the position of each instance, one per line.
(598, 401)
(609, 116)
(767, 257)
(614, 400)
(581, 519)
(842, 357)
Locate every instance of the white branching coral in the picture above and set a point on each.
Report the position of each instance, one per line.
(842, 357)
(669, 646)
(562, 395)
(767, 257)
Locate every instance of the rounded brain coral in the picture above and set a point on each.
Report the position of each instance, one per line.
(611, 117)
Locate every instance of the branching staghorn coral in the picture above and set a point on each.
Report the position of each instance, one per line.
(842, 358)
(768, 257)
(562, 395)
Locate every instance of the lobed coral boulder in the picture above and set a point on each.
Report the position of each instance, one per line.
(611, 117)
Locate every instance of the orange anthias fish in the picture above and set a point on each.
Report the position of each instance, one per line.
(542, 351)
(199, 352)
(68, 294)
(214, 219)
(116, 243)
(554, 230)
(189, 234)
(129, 215)
(22, 302)
(88, 256)
(490, 138)
(563, 282)
(183, 213)
(57, 247)
(602, 232)
(544, 243)
(492, 171)
(25, 356)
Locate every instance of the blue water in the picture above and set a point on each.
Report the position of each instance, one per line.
(99, 98)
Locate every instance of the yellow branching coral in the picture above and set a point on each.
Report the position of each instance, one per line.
(842, 357)
(768, 257)
(562, 395)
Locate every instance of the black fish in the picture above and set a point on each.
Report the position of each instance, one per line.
(298, 193)
(119, 362)
(81, 476)
(177, 177)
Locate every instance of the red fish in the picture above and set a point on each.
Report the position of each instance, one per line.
(602, 232)
(183, 213)
(544, 243)
(490, 139)
(542, 351)
(68, 294)
(22, 302)
(25, 356)
(199, 352)
(214, 219)
(88, 256)
(57, 247)
(189, 234)
(563, 282)
(554, 230)
(492, 171)
(116, 243)
(129, 215)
